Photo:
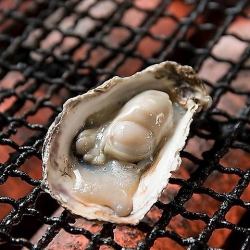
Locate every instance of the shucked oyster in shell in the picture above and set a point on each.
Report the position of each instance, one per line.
(110, 152)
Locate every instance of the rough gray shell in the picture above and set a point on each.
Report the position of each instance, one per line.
(183, 87)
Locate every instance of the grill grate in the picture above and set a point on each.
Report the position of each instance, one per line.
(53, 50)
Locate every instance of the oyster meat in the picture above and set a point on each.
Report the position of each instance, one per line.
(110, 152)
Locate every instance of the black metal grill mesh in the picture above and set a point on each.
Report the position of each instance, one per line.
(52, 50)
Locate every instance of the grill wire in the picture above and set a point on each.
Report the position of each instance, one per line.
(47, 75)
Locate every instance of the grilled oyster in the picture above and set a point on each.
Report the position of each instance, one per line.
(110, 152)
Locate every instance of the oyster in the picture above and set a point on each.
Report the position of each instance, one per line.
(110, 152)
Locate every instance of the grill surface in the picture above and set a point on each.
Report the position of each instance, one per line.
(53, 50)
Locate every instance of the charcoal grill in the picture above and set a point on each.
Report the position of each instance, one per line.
(51, 50)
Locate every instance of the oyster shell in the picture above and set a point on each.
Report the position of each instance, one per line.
(80, 146)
